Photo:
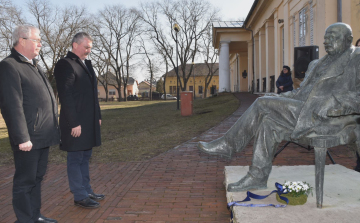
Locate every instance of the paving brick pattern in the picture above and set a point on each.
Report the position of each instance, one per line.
(181, 185)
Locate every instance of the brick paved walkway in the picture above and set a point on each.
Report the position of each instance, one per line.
(180, 185)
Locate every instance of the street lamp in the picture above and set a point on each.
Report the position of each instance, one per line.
(177, 29)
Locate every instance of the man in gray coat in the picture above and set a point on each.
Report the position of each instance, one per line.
(29, 109)
(80, 117)
(327, 103)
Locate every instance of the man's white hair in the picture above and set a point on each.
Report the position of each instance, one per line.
(22, 31)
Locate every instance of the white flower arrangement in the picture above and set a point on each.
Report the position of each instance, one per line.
(297, 188)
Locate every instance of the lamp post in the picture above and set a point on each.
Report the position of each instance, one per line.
(177, 29)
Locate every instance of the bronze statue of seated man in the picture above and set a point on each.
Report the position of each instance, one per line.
(326, 103)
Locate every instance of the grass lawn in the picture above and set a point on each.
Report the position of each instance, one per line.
(140, 130)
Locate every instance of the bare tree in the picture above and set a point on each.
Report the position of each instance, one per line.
(151, 63)
(57, 27)
(10, 17)
(101, 65)
(166, 61)
(133, 26)
(210, 54)
(193, 16)
(117, 29)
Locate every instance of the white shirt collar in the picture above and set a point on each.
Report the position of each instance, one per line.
(30, 61)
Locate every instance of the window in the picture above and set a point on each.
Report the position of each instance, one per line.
(191, 88)
(200, 89)
(172, 90)
(112, 92)
(302, 27)
(98, 93)
(213, 89)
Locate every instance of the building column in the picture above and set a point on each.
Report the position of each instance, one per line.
(256, 68)
(224, 67)
(270, 41)
(250, 64)
(233, 73)
(287, 34)
(262, 58)
(238, 73)
(243, 65)
(277, 46)
(234, 70)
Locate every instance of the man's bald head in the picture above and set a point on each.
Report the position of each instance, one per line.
(338, 38)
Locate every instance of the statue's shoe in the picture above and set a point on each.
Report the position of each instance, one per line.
(217, 147)
(247, 183)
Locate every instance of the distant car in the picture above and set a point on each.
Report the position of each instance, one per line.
(168, 97)
(132, 98)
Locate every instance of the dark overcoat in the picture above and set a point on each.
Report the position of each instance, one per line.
(286, 81)
(77, 87)
(27, 103)
(328, 86)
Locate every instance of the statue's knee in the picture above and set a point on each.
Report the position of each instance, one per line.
(261, 102)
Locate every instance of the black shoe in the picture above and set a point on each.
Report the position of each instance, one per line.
(43, 219)
(97, 197)
(87, 203)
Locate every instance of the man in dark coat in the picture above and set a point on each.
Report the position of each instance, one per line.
(29, 109)
(80, 117)
(284, 83)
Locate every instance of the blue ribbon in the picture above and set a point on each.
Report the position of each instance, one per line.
(279, 190)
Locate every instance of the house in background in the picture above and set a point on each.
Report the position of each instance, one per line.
(198, 75)
(266, 40)
(131, 89)
(144, 89)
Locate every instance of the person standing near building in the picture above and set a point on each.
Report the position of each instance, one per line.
(284, 83)
(29, 109)
(80, 117)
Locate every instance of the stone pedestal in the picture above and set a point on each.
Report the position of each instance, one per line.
(341, 196)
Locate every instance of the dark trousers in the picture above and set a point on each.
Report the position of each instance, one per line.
(78, 173)
(30, 168)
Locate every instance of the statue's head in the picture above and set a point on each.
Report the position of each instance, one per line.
(338, 38)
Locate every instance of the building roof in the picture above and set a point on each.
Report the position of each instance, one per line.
(200, 69)
(251, 11)
(228, 24)
(145, 82)
(236, 24)
(111, 79)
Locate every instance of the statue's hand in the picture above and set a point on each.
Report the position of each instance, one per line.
(334, 112)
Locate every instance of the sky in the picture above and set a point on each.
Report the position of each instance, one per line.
(230, 10)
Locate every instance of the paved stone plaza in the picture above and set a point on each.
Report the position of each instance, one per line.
(181, 185)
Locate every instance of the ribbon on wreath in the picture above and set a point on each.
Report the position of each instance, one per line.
(279, 190)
